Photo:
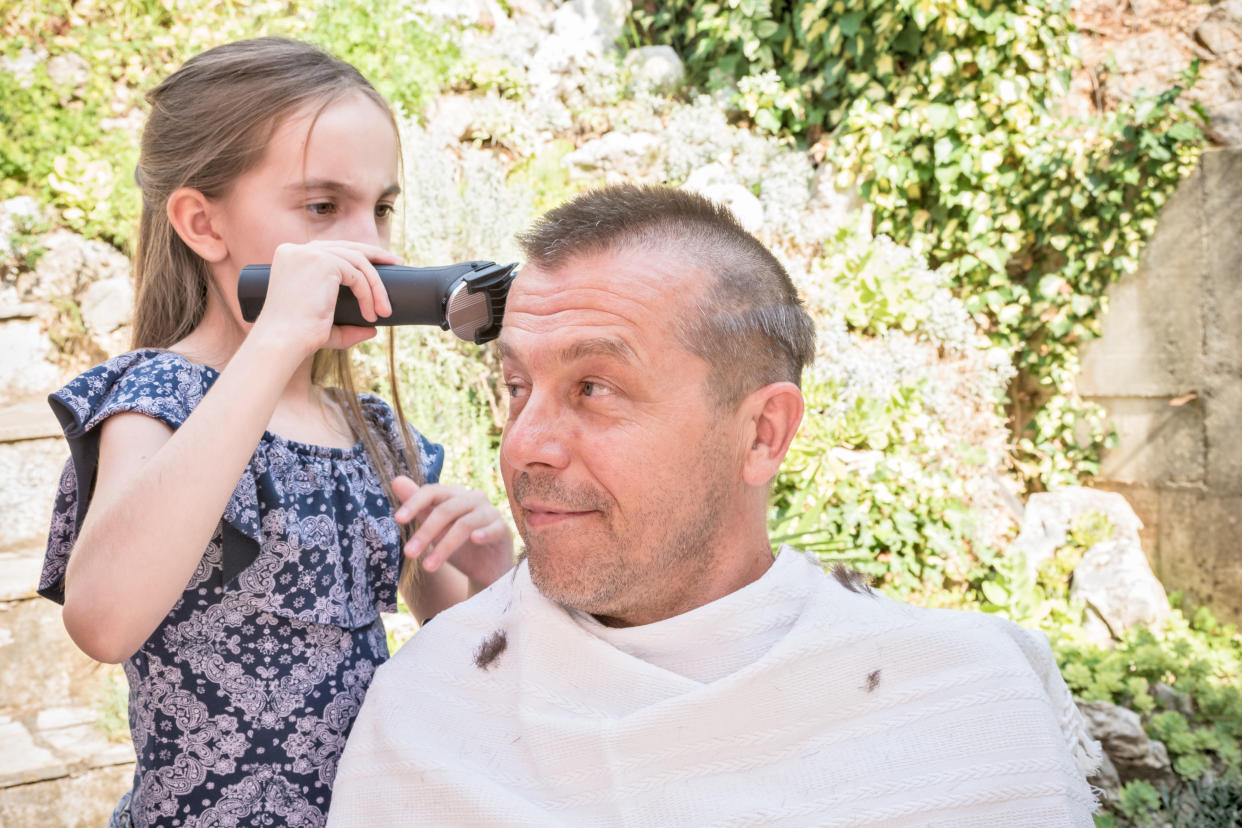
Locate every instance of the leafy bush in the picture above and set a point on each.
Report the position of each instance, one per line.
(947, 117)
(891, 471)
(73, 75)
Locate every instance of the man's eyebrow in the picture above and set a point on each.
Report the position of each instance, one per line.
(332, 186)
(608, 346)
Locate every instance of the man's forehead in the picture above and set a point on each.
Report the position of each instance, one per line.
(628, 274)
(618, 303)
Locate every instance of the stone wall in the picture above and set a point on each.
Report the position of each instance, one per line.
(65, 756)
(1169, 370)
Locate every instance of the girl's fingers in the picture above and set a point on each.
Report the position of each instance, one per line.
(491, 533)
(364, 280)
(421, 498)
(436, 520)
(457, 535)
(403, 487)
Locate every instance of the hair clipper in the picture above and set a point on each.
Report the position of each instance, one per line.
(466, 298)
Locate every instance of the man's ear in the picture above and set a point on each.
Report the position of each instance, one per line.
(774, 413)
(193, 216)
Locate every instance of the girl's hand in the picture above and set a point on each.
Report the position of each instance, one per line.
(302, 292)
(457, 525)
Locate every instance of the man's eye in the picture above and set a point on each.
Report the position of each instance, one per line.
(385, 210)
(595, 389)
(321, 208)
(516, 391)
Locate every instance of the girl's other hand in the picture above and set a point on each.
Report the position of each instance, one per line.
(303, 289)
(458, 525)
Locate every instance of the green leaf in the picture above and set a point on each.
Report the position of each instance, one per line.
(941, 117)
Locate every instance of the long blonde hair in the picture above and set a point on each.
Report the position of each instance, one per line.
(210, 122)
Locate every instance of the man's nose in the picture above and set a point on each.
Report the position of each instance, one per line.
(538, 436)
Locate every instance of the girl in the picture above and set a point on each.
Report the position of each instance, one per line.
(240, 540)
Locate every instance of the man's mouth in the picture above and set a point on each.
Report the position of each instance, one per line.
(538, 516)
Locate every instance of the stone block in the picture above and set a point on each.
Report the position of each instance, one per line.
(1200, 548)
(42, 666)
(21, 760)
(83, 800)
(28, 420)
(1223, 424)
(19, 576)
(1152, 335)
(1222, 288)
(27, 367)
(1159, 443)
(30, 471)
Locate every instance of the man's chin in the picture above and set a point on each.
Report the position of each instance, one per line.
(558, 570)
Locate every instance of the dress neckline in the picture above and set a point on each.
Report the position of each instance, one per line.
(295, 446)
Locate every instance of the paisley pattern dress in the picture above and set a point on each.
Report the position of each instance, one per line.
(240, 701)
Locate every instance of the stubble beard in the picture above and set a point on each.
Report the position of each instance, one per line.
(605, 573)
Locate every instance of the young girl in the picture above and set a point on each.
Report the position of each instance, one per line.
(225, 526)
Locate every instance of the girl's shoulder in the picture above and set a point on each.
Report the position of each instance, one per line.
(160, 384)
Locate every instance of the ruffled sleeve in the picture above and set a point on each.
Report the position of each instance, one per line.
(157, 384)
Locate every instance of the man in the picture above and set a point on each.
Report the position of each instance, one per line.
(649, 663)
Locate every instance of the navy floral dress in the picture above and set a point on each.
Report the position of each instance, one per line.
(240, 702)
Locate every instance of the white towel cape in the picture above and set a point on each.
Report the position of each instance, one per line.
(852, 710)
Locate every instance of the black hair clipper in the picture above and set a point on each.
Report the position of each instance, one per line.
(466, 298)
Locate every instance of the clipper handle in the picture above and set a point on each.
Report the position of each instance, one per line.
(468, 297)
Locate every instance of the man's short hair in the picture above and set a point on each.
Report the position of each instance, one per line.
(748, 323)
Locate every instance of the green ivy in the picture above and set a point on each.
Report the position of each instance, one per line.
(72, 143)
(947, 117)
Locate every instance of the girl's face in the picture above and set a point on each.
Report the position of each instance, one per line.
(328, 177)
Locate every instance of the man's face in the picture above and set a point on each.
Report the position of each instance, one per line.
(617, 465)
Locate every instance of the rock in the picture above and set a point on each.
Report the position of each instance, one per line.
(1225, 123)
(12, 307)
(1133, 755)
(1106, 780)
(599, 21)
(27, 369)
(451, 116)
(557, 66)
(1151, 61)
(17, 214)
(107, 305)
(486, 13)
(1115, 580)
(655, 67)
(1221, 32)
(1114, 577)
(720, 185)
(23, 66)
(31, 470)
(70, 70)
(531, 8)
(70, 264)
(1146, 8)
(617, 156)
(1172, 699)
(1048, 515)
(744, 205)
